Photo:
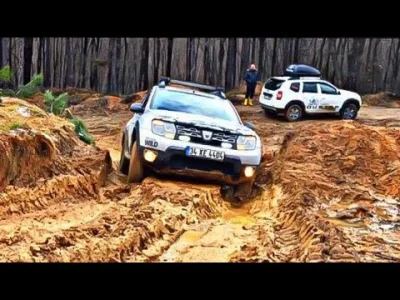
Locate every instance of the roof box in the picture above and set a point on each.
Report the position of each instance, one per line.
(302, 71)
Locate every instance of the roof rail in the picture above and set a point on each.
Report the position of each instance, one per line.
(218, 91)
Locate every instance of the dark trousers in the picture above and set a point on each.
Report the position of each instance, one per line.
(250, 89)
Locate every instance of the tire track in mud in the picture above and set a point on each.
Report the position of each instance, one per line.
(323, 209)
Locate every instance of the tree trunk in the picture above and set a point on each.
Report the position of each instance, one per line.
(253, 50)
(124, 88)
(157, 57)
(296, 50)
(388, 63)
(231, 64)
(354, 58)
(246, 56)
(314, 59)
(206, 61)
(84, 59)
(10, 53)
(118, 87)
(321, 54)
(68, 69)
(169, 56)
(40, 55)
(28, 51)
(144, 78)
(221, 56)
(274, 50)
(1, 52)
(261, 55)
(371, 42)
(110, 55)
(47, 63)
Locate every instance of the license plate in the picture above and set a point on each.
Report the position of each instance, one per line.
(205, 153)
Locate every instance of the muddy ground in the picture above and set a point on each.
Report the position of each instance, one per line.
(329, 191)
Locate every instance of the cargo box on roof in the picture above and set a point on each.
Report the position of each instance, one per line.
(301, 70)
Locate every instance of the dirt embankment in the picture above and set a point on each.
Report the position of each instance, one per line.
(382, 99)
(330, 192)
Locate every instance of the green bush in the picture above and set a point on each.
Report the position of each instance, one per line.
(6, 75)
(31, 88)
(7, 93)
(82, 131)
(55, 105)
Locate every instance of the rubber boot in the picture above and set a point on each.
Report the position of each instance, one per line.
(245, 102)
(251, 102)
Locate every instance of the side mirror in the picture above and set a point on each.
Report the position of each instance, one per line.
(249, 125)
(338, 92)
(136, 108)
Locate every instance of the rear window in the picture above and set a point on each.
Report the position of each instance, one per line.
(295, 87)
(273, 84)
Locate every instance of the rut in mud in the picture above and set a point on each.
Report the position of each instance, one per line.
(330, 192)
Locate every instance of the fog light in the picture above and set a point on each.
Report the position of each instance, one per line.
(150, 155)
(249, 171)
(226, 145)
(184, 138)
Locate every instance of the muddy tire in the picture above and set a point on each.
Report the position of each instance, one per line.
(228, 193)
(123, 164)
(293, 113)
(136, 170)
(349, 112)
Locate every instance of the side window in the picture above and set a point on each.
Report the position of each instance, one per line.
(295, 87)
(310, 87)
(327, 89)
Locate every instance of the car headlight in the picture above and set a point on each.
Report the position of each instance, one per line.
(164, 129)
(246, 142)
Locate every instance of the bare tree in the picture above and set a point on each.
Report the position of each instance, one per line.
(169, 55)
(28, 51)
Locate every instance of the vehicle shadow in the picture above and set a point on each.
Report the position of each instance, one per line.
(308, 117)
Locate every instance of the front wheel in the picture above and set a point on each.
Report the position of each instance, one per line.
(349, 112)
(136, 169)
(294, 113)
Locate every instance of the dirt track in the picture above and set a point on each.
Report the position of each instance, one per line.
(330, 192)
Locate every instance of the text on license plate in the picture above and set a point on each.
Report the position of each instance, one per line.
(205, 153)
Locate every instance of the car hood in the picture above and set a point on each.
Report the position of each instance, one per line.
(200, 120)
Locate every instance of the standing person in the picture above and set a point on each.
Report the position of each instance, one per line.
(251, 78)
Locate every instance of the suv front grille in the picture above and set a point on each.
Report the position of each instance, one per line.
(196, 135)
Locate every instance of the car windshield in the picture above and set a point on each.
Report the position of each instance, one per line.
(188, 102)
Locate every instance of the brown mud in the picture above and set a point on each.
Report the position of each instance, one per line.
(330, 192)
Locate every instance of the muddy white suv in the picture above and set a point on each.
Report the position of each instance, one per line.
(182, 130)
(302, 91)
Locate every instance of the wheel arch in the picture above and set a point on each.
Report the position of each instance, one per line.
(298, 102)
(135, 135)
(351, 101)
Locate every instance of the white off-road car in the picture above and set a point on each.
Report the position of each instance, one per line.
(301, 90)
(185, 131)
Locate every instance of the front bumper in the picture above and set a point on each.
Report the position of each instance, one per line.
(171, 159)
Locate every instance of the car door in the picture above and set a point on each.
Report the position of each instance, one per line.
(330, 98)
(311, 96)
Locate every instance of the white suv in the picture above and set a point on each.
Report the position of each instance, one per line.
(181, 130)
(302, 91)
